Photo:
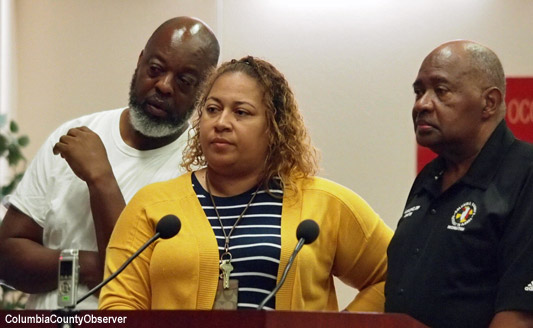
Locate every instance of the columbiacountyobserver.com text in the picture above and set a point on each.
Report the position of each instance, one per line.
(77, 319)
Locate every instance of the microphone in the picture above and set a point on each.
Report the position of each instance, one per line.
(306, 233)
(166, 228)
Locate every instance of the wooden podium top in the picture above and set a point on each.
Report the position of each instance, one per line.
(201, 319)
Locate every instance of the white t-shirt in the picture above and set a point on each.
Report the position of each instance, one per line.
(58, 200)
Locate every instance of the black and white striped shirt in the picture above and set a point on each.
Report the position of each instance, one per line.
(255, 243)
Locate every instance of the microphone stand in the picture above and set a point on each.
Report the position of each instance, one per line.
(301, 242)
(122, 267)
(71, 311)
(166, 228)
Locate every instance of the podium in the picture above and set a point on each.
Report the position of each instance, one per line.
(202, 319)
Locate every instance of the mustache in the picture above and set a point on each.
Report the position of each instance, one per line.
(421, 116)
(160, 102)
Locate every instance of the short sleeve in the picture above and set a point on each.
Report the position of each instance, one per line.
(31, 194)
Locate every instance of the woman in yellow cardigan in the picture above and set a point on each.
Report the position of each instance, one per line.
(251, 181)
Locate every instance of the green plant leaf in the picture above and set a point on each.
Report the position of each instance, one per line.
(14, 155)
(23, 141)
(13, 126)
(6, 190)
(3, 144)
(10, 150)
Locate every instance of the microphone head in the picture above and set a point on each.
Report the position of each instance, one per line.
(308, 230)
(168, 226)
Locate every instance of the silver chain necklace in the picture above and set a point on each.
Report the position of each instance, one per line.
(225, 259)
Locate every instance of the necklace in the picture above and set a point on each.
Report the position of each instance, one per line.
(225, 259)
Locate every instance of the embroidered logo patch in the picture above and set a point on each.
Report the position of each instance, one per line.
(529, 287)
(462, 216)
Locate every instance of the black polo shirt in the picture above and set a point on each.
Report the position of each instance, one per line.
(460, 256)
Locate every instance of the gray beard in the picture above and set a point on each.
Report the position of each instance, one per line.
(150, 127)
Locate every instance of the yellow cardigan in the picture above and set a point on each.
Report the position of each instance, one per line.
(182, 272)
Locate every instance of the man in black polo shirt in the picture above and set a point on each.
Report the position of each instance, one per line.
(462, 254)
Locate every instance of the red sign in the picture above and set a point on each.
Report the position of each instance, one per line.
(519, 116)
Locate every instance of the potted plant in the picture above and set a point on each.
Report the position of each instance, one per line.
(10, 153)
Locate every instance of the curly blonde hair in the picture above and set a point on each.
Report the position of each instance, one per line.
(290, 155)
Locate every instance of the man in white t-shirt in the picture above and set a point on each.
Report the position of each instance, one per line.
(86, 171)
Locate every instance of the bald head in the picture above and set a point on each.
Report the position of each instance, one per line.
(188, 29)
(479, 62)
(460, 91)
(474, 63)
(169, 72)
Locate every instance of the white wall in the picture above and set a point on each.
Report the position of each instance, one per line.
(7, 78)
(351, 65)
